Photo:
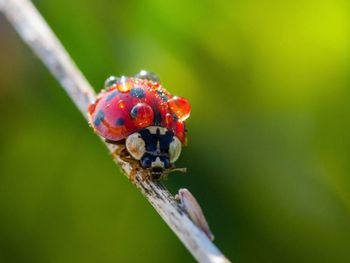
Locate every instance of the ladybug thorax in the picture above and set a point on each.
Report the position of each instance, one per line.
(155, 147)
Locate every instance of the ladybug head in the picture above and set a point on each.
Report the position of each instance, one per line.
(156, 148)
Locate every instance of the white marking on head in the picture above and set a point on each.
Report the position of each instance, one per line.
(153, 130)
(174, 150)
(157, 163)
(135, 145)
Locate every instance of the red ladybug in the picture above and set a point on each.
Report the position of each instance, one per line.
(139, 114)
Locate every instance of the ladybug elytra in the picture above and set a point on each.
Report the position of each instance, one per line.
(138, 114)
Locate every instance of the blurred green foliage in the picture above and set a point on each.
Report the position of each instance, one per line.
(269, 144)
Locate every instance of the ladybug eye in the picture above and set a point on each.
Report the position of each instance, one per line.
(174, 150)
(166, 162)
(135, 145)
(146, 162)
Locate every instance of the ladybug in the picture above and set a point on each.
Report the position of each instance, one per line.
(142, 117)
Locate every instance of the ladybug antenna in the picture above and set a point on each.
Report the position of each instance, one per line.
(171, 170)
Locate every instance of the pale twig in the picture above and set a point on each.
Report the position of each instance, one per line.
(33, 29)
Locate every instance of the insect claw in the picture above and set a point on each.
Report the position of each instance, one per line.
(145, 175)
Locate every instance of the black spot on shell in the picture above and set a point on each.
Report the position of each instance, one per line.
(112, 95)
(120, 122)
(99, 118)
(137, 92)
(162, 95)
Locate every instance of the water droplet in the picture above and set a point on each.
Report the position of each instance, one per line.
(180, 106)
(142, 115)
(148, 75)
(124, 84)
(110, 82)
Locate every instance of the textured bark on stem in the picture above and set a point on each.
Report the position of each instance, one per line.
(34, 30)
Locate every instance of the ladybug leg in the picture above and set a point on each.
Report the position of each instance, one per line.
(135, 165)
(146, 174)
(182, 170)
(121, 150)
(122, 153)
(171, 170)
(115, 142)
(164, 176)
(132, 175)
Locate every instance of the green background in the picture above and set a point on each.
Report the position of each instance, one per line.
(269, 140)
